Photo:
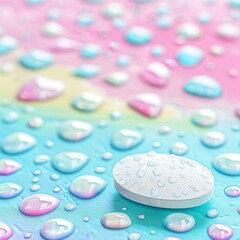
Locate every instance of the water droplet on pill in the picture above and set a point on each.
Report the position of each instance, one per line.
(73, 130)
(9, 166)
(116, 220)
(179, 222)
(87, 101)
(189, 56)
(18, 142)
(220, 232)
(38, 204)
(87, 186)
(213, 139)
(138, 35)
(204, 117)
(147, 104)
(56, 229)
(156, 74)
(69, 162)
(228, 163)
(125, 139)
(36, 59)
(9, 190)
(203, 86)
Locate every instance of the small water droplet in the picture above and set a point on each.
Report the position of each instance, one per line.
(179, 148)
(138, 35)
(116, 220)
(212, 213)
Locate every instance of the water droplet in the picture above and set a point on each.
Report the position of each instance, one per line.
(228, 31)
(107, 156)
(41, 159)
(203, 86)
(179, 222)
(87, 186)
(90, 51)
(87, 71)
(57, 229)
(113, 10)
(9, 190)
(18, 142)
(189, 56)
(117, 78)
(171, 238)
(232, 191)
(213, 139)
(156, 74)
(212, 213)
(56, 189)
(138, 35)
(141, 216)
(116, 220)
(70, 207)
(86, 219)
(158, 50)
(69, 162)
(53, 29)
(179, 148)
(35, 188)
(49, 143)
(148, 104)
(100, 170)
(228, 163)
(189, 30)
(7, 44)
(73, 130)
(220, 232)
(40, 89)
(87, 101)
(85, 19)
(38, 204)
(205, 117)
(9, 166)
(10, 117)
(36, 122)
(54, 177)
(5, 231)
(123, 61)
(27, 235)
(204, 17)
(164, 22)
(36, 59)
(217, 50)
(134, 236)
(125, 139)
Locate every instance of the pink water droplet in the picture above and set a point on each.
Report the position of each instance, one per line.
(8, 166)
(220, 232)
(38, 204)
(5, 231)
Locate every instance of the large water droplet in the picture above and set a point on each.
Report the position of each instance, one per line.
(228, 163)
(56, 229)
(213, 139)
(205, 117)
(203, 86)
(189, 30)
(232, 191)
(90, 51)
(7, 44)
(5, 231)
(117, 78)
(38, 204)
(148, 104)
(87, 186)
(9, 166)
(9, 190)
(69, 162)
(179, 148)
(18, 142)
(179, 222)
(138, 35)
(36, 59)
(125, 139)
(228, 31)
(116, 220)
(156, 74)
(40, 89)
(87, 71)
(73, 130)
(189, 56)
(87, 101)
(220, 232)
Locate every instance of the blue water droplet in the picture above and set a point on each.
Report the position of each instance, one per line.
(138, 35)
(18, 142)
(69, 162)
(85, 19)
(87, 71)
(9, 190)
(90, 51)
(213, 139)
(7, 44)
(36, 59)
(189, 56)
(203, 86)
